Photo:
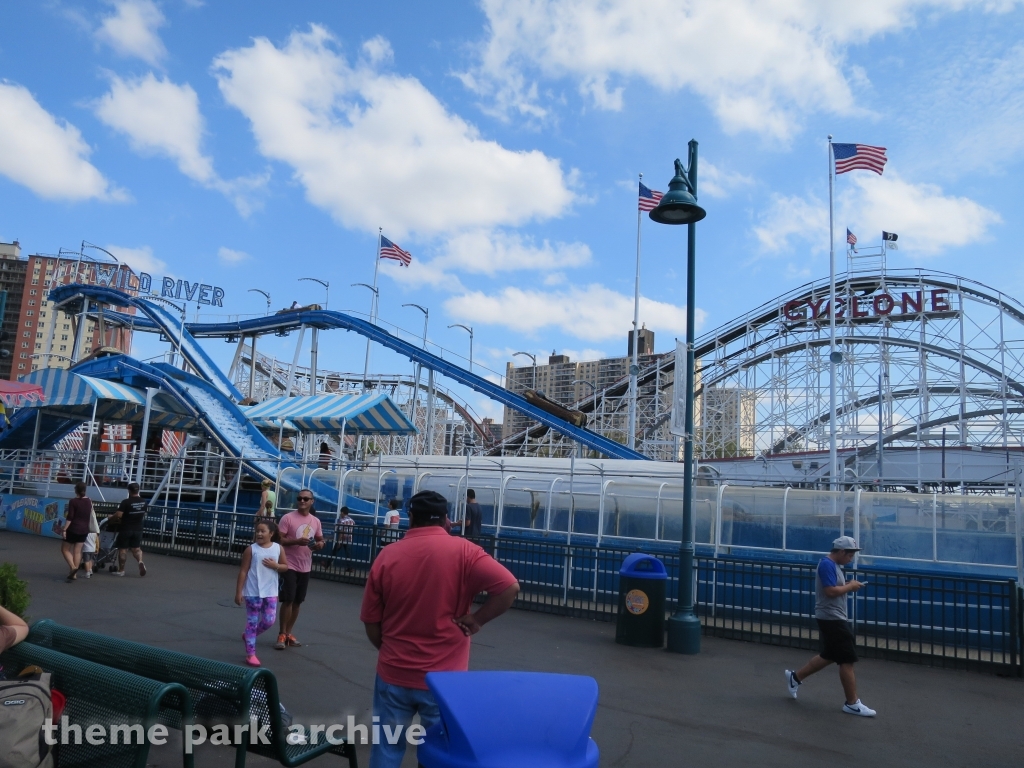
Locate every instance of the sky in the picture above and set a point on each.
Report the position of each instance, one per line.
(250, 144)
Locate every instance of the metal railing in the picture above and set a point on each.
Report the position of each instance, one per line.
(948, 621)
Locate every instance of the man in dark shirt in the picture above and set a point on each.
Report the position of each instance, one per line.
(474, 517)
(130, 514)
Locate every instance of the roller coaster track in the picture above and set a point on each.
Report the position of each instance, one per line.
(183, 335)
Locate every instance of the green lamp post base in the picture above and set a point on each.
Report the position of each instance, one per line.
(684, 633)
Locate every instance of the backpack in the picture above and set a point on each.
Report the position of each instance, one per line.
(25, 705)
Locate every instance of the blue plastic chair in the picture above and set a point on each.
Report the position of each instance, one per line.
(511, 720)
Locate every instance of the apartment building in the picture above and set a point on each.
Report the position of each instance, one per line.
(12, 284)
(567, 382)
(44, 337)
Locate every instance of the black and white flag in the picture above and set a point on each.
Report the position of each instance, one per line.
(890, 239)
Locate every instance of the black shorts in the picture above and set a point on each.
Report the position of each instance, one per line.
(293, 586)
(129, 540)
(837, 643)
(75, 538)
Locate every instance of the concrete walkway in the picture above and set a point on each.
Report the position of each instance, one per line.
(726, 707)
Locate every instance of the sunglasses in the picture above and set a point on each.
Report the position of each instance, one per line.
(305, 498)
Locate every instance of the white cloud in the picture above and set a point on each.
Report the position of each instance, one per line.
(139, 259)
(759, 65)
(162, 118)
(792, 216)
(583, 355)
(361, 141)
(489, 253)
(45, 154)
(159, 117)
(592, 313)
(719, 183)
(984, 84)
(927, 220)
(131, 30)
(231, 256)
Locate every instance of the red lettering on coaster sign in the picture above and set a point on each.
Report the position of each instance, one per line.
(878, 305)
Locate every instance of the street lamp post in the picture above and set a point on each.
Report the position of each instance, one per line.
(264, 294)
(679, 206)
(526, 436)
(313, 348)
(183, 309)
(102, 330)
(593, 396)
(326, 284)
(430, 381)
(470, 331)
(373, 303)
(252, 363)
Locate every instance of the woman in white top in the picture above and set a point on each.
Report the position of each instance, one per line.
(262, 561)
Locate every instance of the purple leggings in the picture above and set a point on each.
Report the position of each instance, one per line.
(260, 615)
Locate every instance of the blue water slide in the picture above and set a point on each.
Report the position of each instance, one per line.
(159, 319)
(221, 418)
(327, 319)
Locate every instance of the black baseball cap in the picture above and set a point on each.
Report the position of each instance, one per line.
(428, 506)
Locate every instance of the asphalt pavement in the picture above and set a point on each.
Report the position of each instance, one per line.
(727, 706)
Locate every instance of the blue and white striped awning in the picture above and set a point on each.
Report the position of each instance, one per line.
(63, 387)
(374, 414)
(73, 395)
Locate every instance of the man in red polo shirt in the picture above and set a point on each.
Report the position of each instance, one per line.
(416, 608)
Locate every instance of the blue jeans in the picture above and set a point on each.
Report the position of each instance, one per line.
(396, 705)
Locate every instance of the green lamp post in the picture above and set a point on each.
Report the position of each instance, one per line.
(679, 206)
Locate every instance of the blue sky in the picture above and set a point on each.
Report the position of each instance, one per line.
(248, 144)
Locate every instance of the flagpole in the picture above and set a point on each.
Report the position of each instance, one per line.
(631, 436)
(373, 308)
(833, 357)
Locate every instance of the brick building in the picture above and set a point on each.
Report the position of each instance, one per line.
(36, 328)
(12, 283)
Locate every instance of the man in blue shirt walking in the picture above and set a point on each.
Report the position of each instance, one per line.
(834, 633)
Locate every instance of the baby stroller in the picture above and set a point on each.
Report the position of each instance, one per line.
(106, 555)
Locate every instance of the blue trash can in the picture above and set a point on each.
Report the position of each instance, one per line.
(641, 621)
(499, 719)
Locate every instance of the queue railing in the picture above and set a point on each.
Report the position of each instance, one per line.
(945, 620)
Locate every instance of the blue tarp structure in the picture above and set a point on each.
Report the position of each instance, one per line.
(373, 414)
(73, 395)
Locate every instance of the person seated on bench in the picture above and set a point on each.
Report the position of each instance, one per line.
(13, 629)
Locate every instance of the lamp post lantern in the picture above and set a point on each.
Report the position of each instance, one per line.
(679, 206)
(314, 348)
(430, 384)
(373, 304)
(470, 332)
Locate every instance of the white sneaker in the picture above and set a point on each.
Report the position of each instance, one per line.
(791, 683)
(858, 709)
(118, 573)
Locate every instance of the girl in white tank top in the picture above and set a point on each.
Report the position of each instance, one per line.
(257, 585)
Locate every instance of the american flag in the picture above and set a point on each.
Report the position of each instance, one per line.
(851, 238)
(389, 250)
(649, 199)
(850, 157)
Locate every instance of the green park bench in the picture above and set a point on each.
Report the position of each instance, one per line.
(97, 694)
(221, 693)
